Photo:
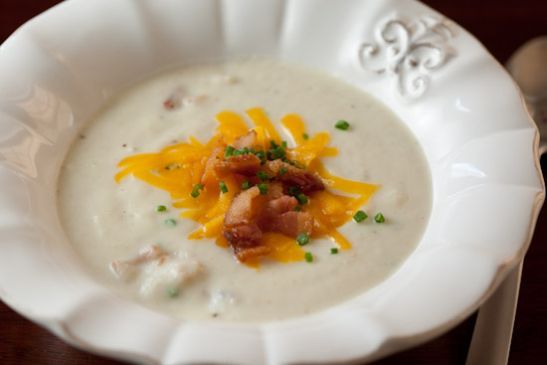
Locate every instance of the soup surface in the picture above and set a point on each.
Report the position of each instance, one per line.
(143, 251)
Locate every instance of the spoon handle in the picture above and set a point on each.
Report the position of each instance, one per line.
(491, 339)
(539, 113)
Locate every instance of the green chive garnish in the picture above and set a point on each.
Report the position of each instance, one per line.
(379, 218)
(293, 190)
(261, 155)
(334, 251)
(229, 151)
(263, 188)
(303, 239)
(195, 190)
(170, 222)
(342, 125)
(309, 257)
(262, 176)
(306, 136)
(360, 216)
(282, 171)
(284, 144)
(245, 185)
(276, 152)
(302, 198)
(172, 292)
(223, 187)
(161, 208)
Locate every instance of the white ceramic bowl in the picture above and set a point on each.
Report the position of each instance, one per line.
(464, 109)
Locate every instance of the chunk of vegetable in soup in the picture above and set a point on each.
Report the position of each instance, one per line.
(133, 234)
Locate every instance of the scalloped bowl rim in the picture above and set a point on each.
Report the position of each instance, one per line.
(52, 95)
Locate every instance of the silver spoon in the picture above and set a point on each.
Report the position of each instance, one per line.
(494, 326)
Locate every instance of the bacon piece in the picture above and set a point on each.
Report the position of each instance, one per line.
(244, 208)
(279, 216)
(280, 205)
(243, 236)
(246, 141)
(291, 223)
(247, 165)
(174, 100)
(240, 227)
(306, 181)
(252, 252)
(209, 176)
(275, 191)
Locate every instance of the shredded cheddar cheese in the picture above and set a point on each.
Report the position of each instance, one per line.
(178, 168)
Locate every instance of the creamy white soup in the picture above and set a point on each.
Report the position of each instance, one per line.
(135, 240)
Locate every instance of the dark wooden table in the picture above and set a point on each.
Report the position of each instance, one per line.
(502, 26)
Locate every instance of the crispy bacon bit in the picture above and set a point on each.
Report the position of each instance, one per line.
(279, 216)
(247, 165)
(246, 141)
(244, 208)
(281, 205)
(240, 228)
(251, 253)
(209, 176)
(306, 181)
(174, 101)
(291, 223)
(275, 190)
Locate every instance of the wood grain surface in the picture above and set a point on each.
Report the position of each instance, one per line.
(501, 26)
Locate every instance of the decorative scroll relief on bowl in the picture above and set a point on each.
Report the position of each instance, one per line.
(409, 52)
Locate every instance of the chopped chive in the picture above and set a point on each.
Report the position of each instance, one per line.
(237, 153)
(334, 251)
(273, 144)
(298, 208)
(170, 222)
(262, 176)
(195, 190)
(293, 190)
(261, 155)
(302, 198)
(172, 292)
(245, 151)
(309, 257)
(223, 187)
(245, 185)
(161, 208)
(284, 144)
(276, 152)
(306, 136)
(282, 171)
(342, 125)
(229, 151)
(303, 239)
(263, 188)
(379, 218)
(360, 216)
